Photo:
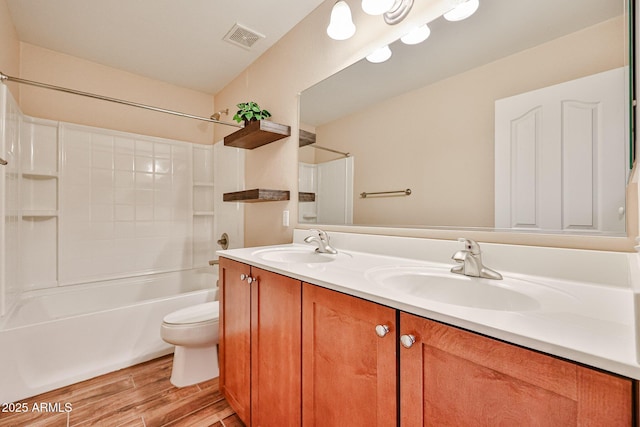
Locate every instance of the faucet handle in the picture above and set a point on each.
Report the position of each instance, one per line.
(470, 245)
(322, 240)
(321, 234)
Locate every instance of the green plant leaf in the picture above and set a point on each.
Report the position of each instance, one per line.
(250, 111)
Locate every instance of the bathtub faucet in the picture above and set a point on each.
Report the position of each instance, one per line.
(322, 240)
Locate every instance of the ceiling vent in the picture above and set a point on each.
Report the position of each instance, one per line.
(242, 36)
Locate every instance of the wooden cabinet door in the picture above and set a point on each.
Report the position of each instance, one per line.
(276, 322)
(235, 337)
(348, 371)
(451, 377)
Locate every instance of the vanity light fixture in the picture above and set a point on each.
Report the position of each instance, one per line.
(379, 55)
(398, 11)
(377, 7)
(417, 35)
(462, 11)
(341, 26)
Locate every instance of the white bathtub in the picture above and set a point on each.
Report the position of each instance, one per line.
(56, 337)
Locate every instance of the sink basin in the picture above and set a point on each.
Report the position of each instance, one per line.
(439, 284)
(294, 255)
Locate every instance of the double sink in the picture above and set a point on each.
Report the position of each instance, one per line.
(434, 283)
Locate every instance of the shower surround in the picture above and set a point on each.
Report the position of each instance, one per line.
(85, 208)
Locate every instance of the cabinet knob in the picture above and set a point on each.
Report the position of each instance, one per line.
(382, 330)
(248, 278)
(407, 340)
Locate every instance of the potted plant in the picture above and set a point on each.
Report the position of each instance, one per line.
(250, 112)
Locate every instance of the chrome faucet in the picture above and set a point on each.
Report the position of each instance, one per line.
(470, 260)
(322, 240)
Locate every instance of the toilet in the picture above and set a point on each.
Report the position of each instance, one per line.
(194, 332)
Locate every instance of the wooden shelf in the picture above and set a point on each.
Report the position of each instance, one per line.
(306, 197)
(306, 138)
(256, 195)
(256, 134)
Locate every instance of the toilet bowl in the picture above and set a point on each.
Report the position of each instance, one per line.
(194, 332)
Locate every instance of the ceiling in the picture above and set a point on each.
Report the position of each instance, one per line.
(179, 42)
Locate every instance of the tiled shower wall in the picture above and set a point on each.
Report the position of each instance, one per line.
(126, 204)
(101, 204)
(83, 204)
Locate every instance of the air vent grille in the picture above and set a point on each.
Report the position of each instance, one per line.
(242, 36)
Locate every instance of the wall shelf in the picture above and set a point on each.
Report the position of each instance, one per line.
(306, 197)
(256, 134)
(306, 138)
(256, 195)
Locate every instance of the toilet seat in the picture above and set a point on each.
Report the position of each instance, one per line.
(199, 313)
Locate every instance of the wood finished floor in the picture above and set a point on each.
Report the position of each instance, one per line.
(139, 396)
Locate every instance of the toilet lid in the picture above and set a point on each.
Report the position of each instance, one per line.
(194, 314)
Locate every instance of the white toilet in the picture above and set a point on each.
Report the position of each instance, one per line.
(194, 332)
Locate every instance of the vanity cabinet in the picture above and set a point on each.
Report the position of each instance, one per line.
(260, 342)
(348, 360)
(451, 377)
(294, 354)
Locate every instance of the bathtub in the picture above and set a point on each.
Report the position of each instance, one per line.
(56, 337)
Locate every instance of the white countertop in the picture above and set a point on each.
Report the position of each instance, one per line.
(585, 320)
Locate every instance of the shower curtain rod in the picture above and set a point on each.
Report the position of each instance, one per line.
(329, 149)
(4, 77)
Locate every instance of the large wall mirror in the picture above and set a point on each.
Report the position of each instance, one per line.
(516, 118)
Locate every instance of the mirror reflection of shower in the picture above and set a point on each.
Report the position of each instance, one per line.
(327, 187)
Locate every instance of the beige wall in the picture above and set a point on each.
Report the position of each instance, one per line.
(447, 156)
(9, 48)
(58, 69)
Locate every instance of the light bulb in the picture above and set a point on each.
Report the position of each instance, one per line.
(377, 7)
(379, 55)
(462, 11)
(417, 35)
(341, 26)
